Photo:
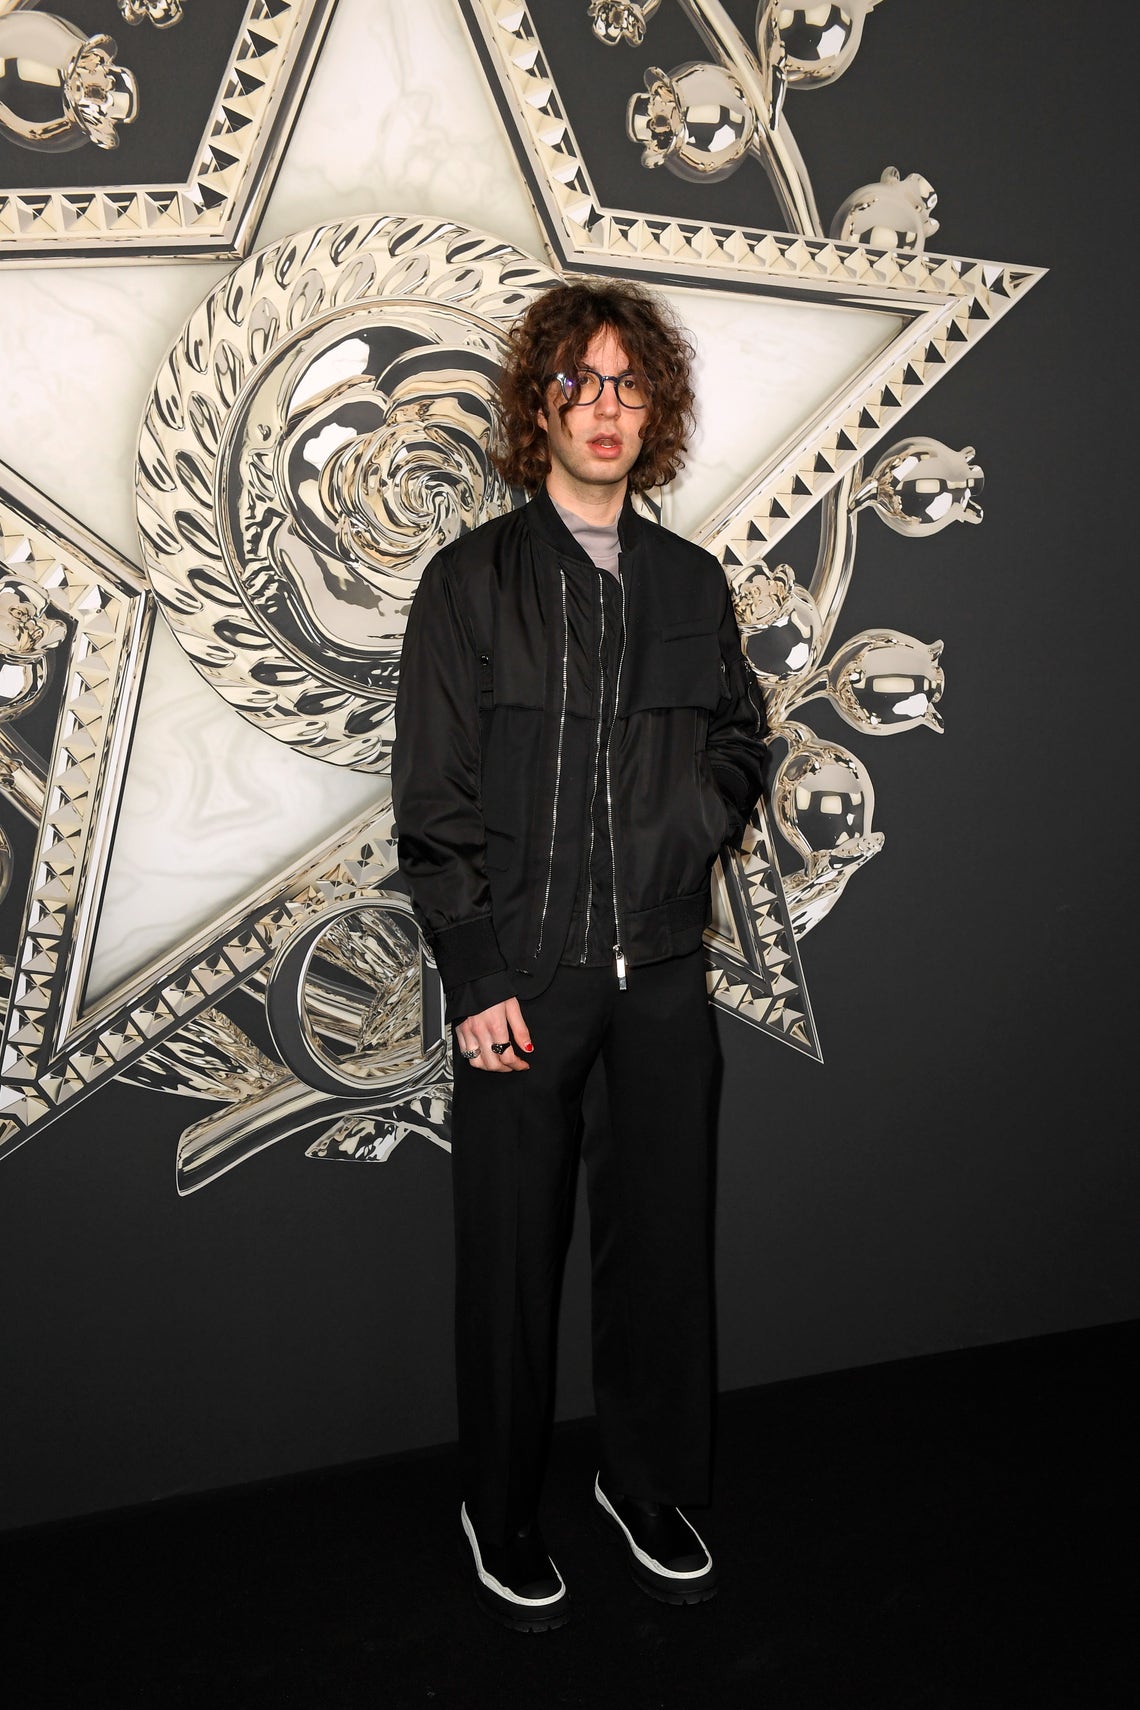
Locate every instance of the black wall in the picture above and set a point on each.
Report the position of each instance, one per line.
(963, 1168)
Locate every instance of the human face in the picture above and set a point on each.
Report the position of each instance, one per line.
(594, 446)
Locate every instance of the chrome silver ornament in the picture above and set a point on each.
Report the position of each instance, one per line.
(61, 89)
(780, 623)
(161, 13)
(616, 21)
(921, 486)
(895, 213)
(28, 635)
(319, 431)
(882, 682)
(695, 120)
(820, 40)
(824, 800)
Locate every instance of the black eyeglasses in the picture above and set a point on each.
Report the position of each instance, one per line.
(585, 386)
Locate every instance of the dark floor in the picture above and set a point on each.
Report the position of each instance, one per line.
(954, 1531)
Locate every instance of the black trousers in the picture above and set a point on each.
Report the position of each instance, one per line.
(515, 1139)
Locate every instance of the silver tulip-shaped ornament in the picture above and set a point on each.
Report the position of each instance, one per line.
(824, 800)
(881, 682)
(60, 89)
(895, 213)
(780, 623)
(614, 21)
(820, 40)
(695, 120)
(27, 636)
(920, 486)
(161, 13)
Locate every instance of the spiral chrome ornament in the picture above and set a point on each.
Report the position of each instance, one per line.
(695, 120)
(319, 431)
(895, 213)
(60, 89)
(820, 40)
(920, 486)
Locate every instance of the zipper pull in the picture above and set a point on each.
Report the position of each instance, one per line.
(619, 964)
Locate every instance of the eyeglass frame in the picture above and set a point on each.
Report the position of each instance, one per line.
(602, 379)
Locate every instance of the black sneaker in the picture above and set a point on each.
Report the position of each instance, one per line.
(667, 1557)
(517, 1583)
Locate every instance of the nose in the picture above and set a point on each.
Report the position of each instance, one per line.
(606, 404)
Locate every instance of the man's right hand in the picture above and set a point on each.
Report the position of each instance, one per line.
(498, 1025)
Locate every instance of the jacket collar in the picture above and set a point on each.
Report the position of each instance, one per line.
(543, 518)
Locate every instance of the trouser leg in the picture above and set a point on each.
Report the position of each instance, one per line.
(514, 1143)
(648, 1175)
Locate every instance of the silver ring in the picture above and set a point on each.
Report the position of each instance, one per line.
(467, 1055)
(499, 1049)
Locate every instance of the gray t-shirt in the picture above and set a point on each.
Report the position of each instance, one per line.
(599, 541)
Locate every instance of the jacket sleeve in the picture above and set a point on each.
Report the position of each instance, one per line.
(441, 842)
(738, 729)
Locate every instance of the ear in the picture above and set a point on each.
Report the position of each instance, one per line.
(540, 418)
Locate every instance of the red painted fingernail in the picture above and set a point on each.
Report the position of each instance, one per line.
(528, 1046)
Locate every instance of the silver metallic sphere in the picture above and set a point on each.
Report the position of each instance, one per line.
(779, 622)
(820, 41)
(695, 120)
(161, 13)
(921, 485)
(616, 21)
(824, 800)
(895, 213)
(27, 635)
(881, 682)
(60, 89)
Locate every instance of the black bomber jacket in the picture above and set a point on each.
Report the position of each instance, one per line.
(500, 744)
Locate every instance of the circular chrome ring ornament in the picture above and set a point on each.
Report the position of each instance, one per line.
(318, 431)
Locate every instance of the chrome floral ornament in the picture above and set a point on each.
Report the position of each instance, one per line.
(895, 213)
(824, 800)
(320, 429)
(696, 120)
(161, 13)
(882, 682)
(616, 21)
(780, 623)
(27, 636)
(60, 89)
(921, 486)
(820, 40)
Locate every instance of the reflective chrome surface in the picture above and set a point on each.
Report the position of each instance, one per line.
(320, 429)
(621, 20)
(882, 682)
(921, 486)
(820, 39)
(60, 89)
(697, 121)
(895, 213)
(161, 13)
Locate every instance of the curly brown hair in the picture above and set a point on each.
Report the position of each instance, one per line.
(552, 336)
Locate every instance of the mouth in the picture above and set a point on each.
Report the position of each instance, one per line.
(605, 445)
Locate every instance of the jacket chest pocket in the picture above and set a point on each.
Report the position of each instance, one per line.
(680, 666)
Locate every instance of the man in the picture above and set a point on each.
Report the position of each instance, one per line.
(578, 734)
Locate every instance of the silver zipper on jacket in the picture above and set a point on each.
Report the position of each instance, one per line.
(619, 953)
(597, 775)
(557, 769)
